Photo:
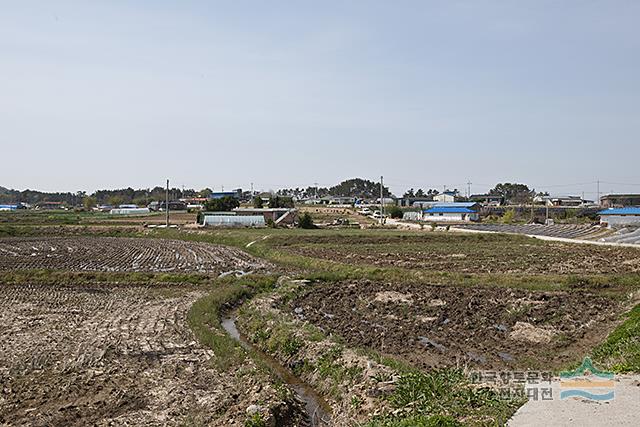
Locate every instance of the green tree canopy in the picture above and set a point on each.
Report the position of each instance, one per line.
(280, 202)
(224, 204)
(358, 187)
(513, 193)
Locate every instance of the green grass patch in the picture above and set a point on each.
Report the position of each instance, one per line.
(205, 315)
(444, 397)
(620, 353)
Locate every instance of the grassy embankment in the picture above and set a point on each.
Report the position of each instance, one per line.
(620, 352)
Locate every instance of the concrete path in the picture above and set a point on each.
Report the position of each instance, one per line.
(622, 410)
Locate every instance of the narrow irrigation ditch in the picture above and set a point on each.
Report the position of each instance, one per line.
(318, 410)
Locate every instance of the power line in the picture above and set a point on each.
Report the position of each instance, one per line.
(620, 183)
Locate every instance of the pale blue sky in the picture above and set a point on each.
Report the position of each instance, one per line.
(209, 93)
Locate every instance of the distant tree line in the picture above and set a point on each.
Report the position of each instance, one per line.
(356, 187)
(101, 197)
(8, 196)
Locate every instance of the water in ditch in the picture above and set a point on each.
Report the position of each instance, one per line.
(318, 410)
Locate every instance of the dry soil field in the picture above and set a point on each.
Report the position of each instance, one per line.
(115, 353)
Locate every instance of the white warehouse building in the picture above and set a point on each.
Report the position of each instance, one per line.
(452, 212)
(620, 217)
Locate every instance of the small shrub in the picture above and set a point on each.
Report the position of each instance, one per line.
(255, 421)
(395, 212)
(509, 216)
(306, 221)
(291, 346)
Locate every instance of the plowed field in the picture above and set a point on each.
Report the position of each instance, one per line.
(123, 254)
(109, 354)
(432, 326)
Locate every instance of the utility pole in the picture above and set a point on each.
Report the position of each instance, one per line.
(598, 182)
(381, 200)
(167, 202)
(546, 203)
(533, 215)
(468, 189)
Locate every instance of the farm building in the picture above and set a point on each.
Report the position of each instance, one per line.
(174, 205)
(335, 200)
(620, 200)
(104, 208)
(129, 211)
(487, 199)
(447, 197)
(8, 207)
(452, 212)
(195, 202)
(49, 205)
(620, 217)
(413, 201)
(231, 220)
(569, 201)
(282, 216)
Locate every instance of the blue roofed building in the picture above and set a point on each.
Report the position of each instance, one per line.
(452, 212)
(620, 217)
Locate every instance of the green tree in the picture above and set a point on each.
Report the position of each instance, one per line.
(280, 202)
(224, 204)
(205, 192)
(257, 202)
(306, 221)
(395, 212)
(115, 200)
(89, 202)
(358, 187)
(513, 193)
(409, 194)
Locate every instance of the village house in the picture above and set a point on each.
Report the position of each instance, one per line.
(620, 200)
(452, 212)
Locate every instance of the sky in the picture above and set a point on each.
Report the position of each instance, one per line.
(111, 94)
